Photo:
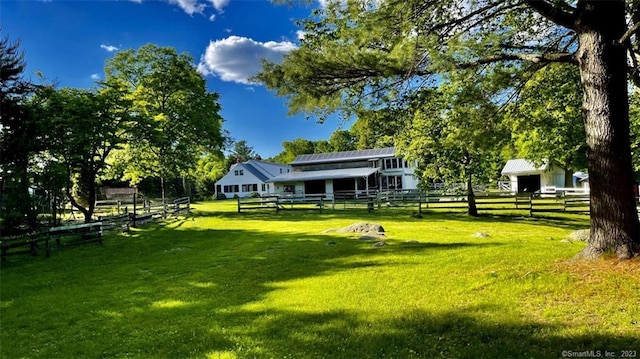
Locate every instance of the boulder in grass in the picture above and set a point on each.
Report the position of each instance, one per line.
(581, 235)
(360, 227)
(379, 244)
(371, 236)
(480, 235)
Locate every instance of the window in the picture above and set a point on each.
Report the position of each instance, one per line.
(264, 187)
(238, 172)
(231, 188)
(253, 187)
(289, 188)
(391, 182)
(394, 163)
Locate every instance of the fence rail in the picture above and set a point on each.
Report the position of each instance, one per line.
(278, 203)
(562, 202)
(89, 232)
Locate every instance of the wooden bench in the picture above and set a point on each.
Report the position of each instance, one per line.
(87, 232)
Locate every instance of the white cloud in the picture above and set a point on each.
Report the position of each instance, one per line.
(212, 17)
(95, 77)
(136, 1)
(238, 58)
(109, 48)
(189, 6)
(300, 34)
(219, 4)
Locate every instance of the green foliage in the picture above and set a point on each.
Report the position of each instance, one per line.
(546, 119)
(20, 139)
(241, 152)
(455, 133)
(298, 146)
(360, 56)
(85, 126)
(341, 140)
(267, 285)
(178, 119)
(209, 169)
(634, 116)
(378, 128)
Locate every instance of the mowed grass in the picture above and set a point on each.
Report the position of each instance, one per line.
(271, 285)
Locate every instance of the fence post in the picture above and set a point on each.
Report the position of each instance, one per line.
(239, 211)
(135, 204)
(531, 205)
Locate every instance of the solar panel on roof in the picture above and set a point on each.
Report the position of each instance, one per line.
(344, 155)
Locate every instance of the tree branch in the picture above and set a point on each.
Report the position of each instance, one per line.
(553, 13)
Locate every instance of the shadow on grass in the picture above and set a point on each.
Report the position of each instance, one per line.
(470, 333)
(153, 293)
(401, 215)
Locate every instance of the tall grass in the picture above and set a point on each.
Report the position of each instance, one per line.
(271, 285)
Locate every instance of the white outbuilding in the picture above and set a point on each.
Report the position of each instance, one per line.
(527, 177)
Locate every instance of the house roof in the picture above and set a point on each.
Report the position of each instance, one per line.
(344, 156)
(255, 171)
(259, 169)
(522, 166)
(298, 176)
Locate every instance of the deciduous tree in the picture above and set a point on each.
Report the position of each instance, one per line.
(85, 126)
(366, 54)
(546, 119)
(178, 119)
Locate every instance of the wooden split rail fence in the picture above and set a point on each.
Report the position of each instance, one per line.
(33, 243)
(279, 203)
(523, 202)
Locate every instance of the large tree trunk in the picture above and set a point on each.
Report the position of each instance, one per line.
(602, 59)
(472, 209)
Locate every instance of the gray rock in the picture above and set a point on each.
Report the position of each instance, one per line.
(361, 227)
(579, 235)
(371, 236)
(480, 235)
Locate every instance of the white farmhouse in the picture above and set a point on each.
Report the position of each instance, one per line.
(526, 177)
(347, 174)
(246, 178)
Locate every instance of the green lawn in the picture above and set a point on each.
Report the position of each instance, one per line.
(271, 285)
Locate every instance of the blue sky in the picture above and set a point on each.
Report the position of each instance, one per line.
(69, 41)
